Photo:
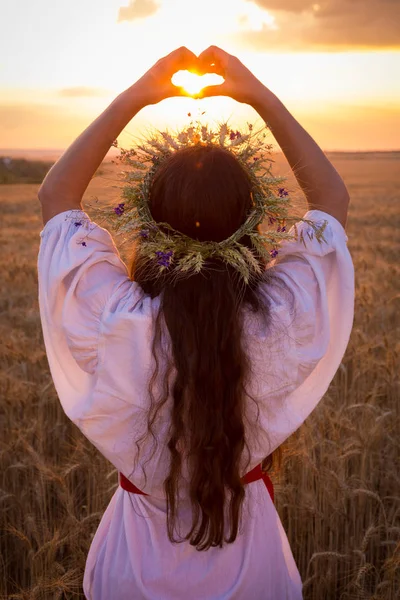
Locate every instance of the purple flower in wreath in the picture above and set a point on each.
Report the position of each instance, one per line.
(282, 192)
(273, 253)
(144, 233)
(282, 229)
(119, 209)
(234, 135)
(272, 220)
(164, 258)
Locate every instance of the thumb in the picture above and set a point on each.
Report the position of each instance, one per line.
(212, 90)
(177, 90)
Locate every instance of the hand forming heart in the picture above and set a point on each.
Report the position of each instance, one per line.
(240, 84)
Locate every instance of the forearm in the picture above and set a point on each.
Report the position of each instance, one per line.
(319, 180)
(71, 174)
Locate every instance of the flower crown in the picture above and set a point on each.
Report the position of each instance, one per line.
(166, 250)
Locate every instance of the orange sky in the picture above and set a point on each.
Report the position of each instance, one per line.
(335, 65)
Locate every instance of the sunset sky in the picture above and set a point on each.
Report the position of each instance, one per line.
(335, 64)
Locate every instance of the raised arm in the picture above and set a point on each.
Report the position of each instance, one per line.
(64, 185)
(321, 183)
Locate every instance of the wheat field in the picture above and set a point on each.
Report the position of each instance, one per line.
(338, 490)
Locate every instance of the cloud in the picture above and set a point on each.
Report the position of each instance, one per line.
(137, 9)
(326, 25)
(287, 5)
(79, 92)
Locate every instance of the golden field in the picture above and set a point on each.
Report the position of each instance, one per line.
(338, 492)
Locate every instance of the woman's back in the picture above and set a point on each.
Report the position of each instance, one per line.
(101, 370)
(187, 417)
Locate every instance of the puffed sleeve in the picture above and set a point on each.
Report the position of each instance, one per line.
(321, 277)
(79, 270)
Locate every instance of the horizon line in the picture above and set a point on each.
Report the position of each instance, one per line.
(62, 150)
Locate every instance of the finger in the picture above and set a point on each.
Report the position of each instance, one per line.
(181, 91)
(176, 90)
(182, 59)
(212, 90)
(212, 52)
(213, 56)
(204, 68)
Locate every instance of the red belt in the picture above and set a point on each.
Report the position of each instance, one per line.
(251, 476)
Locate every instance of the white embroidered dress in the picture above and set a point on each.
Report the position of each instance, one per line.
(98, 327)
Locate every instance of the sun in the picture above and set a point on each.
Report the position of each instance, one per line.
(194, 83)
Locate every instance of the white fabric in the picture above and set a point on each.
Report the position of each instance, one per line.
(97, 328)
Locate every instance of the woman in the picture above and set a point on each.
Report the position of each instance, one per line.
(103, 329)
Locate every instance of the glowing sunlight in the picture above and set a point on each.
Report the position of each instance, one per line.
(194, 83)
(338, 74)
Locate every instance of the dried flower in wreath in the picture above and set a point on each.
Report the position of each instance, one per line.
(172, 253)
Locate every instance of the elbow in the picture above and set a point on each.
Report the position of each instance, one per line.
(44, 191)
(346, 195)
(42, 194)
(45, 197)
(340, 211)
(47, 193)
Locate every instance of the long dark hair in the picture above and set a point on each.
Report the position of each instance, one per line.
(205, 193)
